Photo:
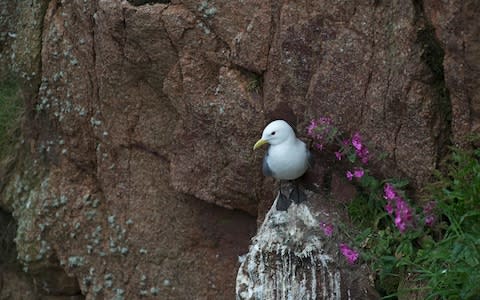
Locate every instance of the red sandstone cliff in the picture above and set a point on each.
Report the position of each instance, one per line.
(137, 178)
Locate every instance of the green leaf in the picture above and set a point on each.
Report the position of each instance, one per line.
(352, 157)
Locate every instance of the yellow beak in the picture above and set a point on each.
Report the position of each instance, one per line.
(259, 143)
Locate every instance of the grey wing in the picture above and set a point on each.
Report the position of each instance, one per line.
(265, 167)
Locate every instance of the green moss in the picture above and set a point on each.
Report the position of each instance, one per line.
(449, 263)
(11, 109)
(255, 83)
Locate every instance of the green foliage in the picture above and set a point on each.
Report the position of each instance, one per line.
(385, 248)
(436, 245)
(445, 258)
(255, 83)
(11, 108)
(450, 265)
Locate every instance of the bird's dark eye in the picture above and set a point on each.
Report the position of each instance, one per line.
(273, 132)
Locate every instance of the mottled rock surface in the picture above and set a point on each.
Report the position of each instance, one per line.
(361, 65)
(457, 31)
(291, 257)
(136, 176)
(16, 285)
(21, 25)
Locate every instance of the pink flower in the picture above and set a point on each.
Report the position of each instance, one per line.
(349, 175)
(403, 212)
(327, 229)
(403, 215)
(319, 146)
(429, 207)
(363, 154)
(389, 192)
(350, 254)
(311, 127)
(428, 211)
(358, 173)
(325, 121)
(430, 220)
(402, 226)
(338, 155)
(322, 131)
(357, 141)
(360, 149)
(389, 207)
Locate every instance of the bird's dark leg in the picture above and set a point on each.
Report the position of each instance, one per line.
(282, 202)
(297, 195)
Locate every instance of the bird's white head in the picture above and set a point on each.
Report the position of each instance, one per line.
(275, 133)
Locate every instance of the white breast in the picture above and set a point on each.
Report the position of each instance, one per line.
(288, 160)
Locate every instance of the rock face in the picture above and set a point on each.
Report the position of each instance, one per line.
(291, 258)
(457, 30)
(136, 176)
(21, 27)
(362, 65)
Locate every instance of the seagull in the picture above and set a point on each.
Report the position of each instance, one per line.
(287, 158)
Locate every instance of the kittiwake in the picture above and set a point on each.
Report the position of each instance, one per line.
(287, 158)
